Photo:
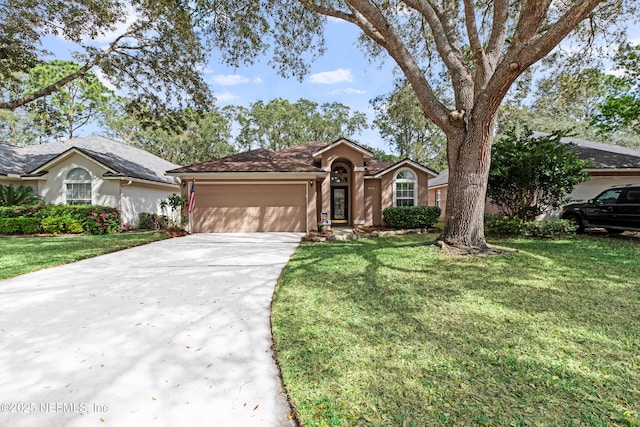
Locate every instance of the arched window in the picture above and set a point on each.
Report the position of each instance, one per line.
(339, 174)
(405, 190)
(78, 187)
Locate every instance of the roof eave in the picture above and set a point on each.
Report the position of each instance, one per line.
(402, 163)
(249, 175)
(66, 154)
(366, 153)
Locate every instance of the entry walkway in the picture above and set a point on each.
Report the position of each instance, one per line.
(174, 333)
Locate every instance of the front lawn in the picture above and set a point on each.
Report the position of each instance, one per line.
(19, 255)
(389, 332)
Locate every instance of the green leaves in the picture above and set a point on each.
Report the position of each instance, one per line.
(530, 175)
(23, 195)
(279, 124)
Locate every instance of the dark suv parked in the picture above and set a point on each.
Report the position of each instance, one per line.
(616, 209)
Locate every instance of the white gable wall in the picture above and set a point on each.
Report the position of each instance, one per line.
(138, 198)
(103, 192)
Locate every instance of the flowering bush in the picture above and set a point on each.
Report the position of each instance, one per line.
(102, 221)
(56, 219)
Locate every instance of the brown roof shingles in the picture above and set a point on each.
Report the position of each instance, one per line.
(294, 159)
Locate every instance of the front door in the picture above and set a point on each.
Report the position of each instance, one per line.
(340, 205)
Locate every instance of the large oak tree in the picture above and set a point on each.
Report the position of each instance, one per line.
(477, 48)
(150, 48)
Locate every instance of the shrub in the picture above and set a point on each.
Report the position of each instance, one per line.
(30, 225)
(102, 221)
(20, 210)
(73, 226)
(151, 221)
(9, 225)
(411, 216)
(503, 225)
(53, 225)
(23, 195)
(20, 225)
(551, 229)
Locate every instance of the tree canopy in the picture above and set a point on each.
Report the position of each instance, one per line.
(183, 136)
(403, 125)
(279, 124)
(530, 175)
(620, 111)
(152, 49)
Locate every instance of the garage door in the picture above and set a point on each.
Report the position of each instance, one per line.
(225, 208)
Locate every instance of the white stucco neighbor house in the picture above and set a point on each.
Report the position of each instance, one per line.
(610, 165)
(91, 170)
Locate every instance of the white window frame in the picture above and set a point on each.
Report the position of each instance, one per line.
(438, 198)
(76, 182)
(413, 181)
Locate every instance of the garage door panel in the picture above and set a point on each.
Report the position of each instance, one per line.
(237, 207)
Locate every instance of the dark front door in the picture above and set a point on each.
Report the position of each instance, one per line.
(340, 205)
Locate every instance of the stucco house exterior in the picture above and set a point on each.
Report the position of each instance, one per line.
(611, 165)
(294, 189)
(91, 170)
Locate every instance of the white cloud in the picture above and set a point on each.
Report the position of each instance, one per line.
(233, 79)
(229, 79)
(225, 97)
(332, 77)
(348, 91)
(119, 28)
(100, 75)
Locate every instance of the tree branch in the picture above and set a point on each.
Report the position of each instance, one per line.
(48, 90)
(396, 48)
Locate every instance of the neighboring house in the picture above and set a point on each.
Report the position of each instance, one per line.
(289, 190)
(611, 165)
(91, 170)
(438, 190)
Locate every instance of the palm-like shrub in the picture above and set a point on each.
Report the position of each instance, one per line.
(23, 195)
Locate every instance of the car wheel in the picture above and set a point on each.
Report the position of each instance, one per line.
(577, 221)
(614, 231)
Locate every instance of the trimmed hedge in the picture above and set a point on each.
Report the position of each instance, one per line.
(56, 219)
(20, 225)
(411, 216)
(503, 225)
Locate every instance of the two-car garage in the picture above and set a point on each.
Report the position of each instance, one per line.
(223, 207)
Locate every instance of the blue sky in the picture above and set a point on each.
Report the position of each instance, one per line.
(343, 74)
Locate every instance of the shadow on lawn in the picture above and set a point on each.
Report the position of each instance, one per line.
(548, 329)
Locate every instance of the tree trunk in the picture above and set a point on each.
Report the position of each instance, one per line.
(469, 155)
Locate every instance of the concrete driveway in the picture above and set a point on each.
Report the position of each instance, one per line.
(174, 333)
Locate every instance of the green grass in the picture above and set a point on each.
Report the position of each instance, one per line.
(389, 332)
(19, 255)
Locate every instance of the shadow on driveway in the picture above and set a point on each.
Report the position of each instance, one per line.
(175, 332)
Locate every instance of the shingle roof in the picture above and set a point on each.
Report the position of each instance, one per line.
(441, 179)
(375, 166)
(294, 159)
(125, 160)
(603, 156)
(11, 161)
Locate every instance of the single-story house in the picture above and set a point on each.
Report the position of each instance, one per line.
(91, 170)
(611, 165)
(438, 190)
(294, 189)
